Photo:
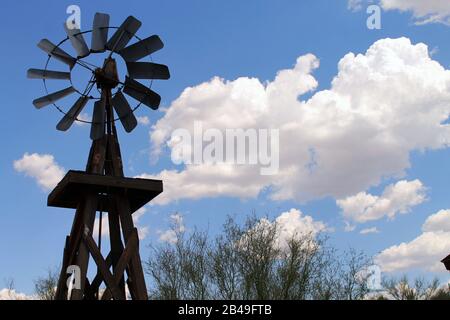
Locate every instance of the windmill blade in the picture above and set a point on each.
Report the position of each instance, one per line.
(98, 120)
(73, 113)
(56, 52)
(141, 49)
(124, 112)
(147, 70)
(53, 97)
(99, 32)
(141, 93)
(124, 34)
(77, 41)
(47, 74)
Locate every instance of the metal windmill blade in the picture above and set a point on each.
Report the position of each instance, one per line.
(99, 32)
(147, 70)
(77, 41)
(47, 74)
(105, 77)
(98, 120)
(124, 112)
(57, 53)
(52, 97)
(141, 93)
(124, 34)
(68, 119)
(141, 49)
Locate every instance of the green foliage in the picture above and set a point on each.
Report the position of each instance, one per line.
(247, 262)
(45, 287)
(419, 289)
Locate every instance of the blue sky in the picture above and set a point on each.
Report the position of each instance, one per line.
(226, 39)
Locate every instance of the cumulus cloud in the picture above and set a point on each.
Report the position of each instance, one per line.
(349, 227)
(382, 105)
(11, 294)
(84, 118)
(428, 11)
(397, 198)
(354, 5)
(423, 11)
(144, 120)
(426, 251)
(438, 222)
(289, 225)
(369, 230)
(42, 167)
(171, 235)
(294, 223)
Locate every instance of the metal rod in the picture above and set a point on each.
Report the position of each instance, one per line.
(100, 230)
(109, 113)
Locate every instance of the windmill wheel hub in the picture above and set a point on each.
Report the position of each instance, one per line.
(107, 76)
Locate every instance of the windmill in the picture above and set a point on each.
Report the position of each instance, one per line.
(102, 187)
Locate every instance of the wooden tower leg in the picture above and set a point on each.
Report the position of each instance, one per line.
(104, 159)
(116, 244)
(82, 259)
(84, 216)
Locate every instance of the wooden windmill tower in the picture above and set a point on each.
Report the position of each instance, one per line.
(102, 187)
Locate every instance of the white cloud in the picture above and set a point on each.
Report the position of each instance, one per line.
(381, 106)
(41, 167)
(354, 5)
(369, 230)
(11, 294)
(142, 230)
(289, 225)
(349, 227)
(438, 222)
(105, 226)
(144, 120)
(425, 11)
(196, 183)
(83, 117)
(397, 198)
(293, 223)
(171, 235)
(426, 251)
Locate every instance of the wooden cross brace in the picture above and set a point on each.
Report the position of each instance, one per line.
(111, 280)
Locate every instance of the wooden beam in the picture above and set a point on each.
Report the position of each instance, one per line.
(101, 264)
(89, 294)
(61, 288)
(127, 254)
(136, 272)
(82, 258)
(97, 155)
(98, 279)
(116, 245)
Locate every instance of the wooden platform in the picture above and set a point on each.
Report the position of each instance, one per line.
(77, 183)
(446, 262)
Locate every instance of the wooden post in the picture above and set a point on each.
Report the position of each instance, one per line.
(104, 159)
